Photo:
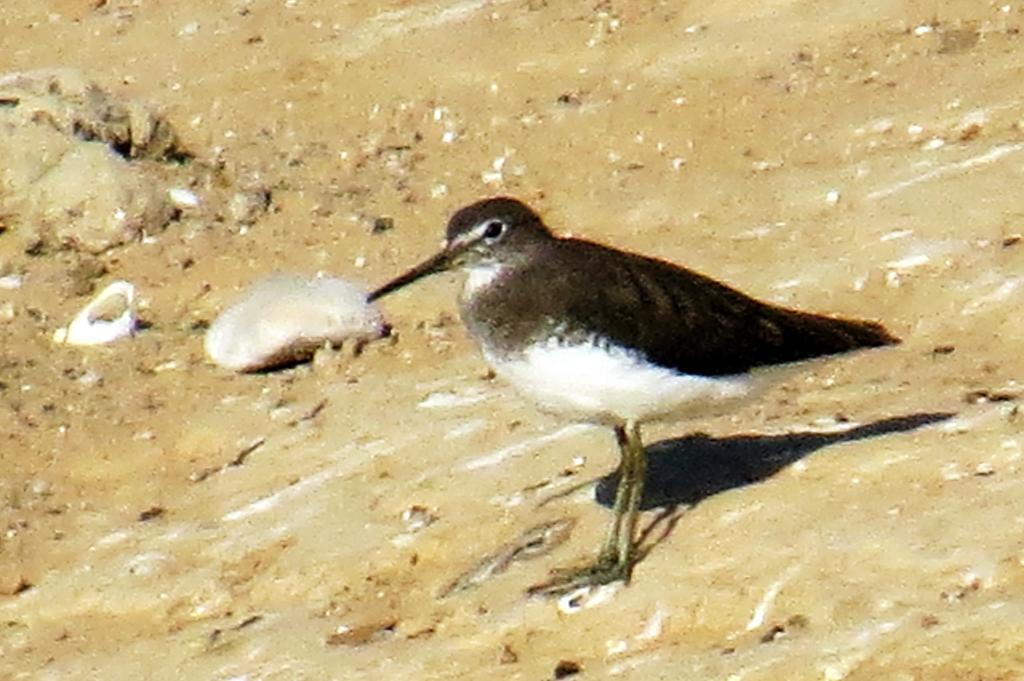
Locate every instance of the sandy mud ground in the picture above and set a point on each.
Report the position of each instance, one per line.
(381, 515)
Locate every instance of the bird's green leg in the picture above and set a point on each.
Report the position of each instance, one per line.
(626, 548)
(610, 549)
(618, 552)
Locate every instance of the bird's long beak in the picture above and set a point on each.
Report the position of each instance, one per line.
(440, 262)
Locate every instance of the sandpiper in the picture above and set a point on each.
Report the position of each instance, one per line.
(599, 335)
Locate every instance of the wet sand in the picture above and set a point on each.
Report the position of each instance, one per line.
(165, 519)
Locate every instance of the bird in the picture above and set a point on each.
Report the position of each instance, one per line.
(599, 335)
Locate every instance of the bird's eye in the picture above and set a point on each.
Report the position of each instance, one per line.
(494, 229)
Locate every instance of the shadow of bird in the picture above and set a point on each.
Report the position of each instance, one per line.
(686, 470)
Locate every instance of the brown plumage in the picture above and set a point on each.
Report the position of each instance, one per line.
(670, 315)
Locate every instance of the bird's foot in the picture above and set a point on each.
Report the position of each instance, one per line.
(606, 569)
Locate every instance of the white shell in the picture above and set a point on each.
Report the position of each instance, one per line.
(285, 318)
(89, 327)
(183, 198)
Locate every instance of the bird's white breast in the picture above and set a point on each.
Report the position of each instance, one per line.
(611, 385)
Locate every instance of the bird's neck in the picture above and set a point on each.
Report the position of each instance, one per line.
(482, 276)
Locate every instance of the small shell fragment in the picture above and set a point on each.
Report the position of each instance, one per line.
(586, 597)
(183, 198)
(108, 317)
(284, 319)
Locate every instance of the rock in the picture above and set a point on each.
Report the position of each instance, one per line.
(82, 275)
(284, 319)
(249, 205)
(66, 101)
(81, 168)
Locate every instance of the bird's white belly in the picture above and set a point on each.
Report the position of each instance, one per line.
(612, 385)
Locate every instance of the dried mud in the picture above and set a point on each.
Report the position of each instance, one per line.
(382, 514)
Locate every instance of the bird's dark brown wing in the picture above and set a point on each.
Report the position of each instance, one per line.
(684, 320)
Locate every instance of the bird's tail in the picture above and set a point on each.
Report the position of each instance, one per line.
(826, 335)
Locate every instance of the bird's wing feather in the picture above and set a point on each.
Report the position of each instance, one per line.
(689, 322)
